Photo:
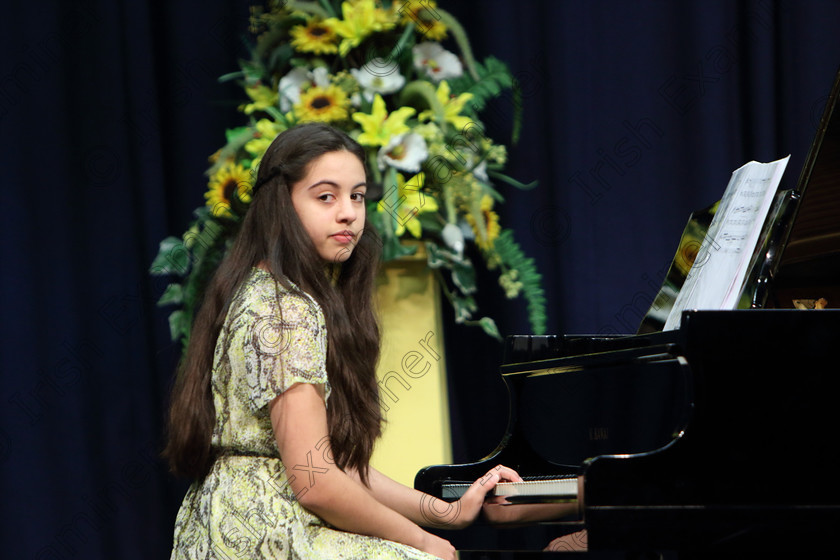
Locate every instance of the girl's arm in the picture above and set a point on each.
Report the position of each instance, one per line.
(299, 420)
(429, 511)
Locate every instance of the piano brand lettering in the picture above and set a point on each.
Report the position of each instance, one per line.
(414, 365)
(599, 434)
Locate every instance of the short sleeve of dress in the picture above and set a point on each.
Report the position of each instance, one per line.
(284, 346)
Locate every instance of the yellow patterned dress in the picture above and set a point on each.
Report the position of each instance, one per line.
(245, 507)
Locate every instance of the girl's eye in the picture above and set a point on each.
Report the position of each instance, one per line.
(358, 196)
(326, 197)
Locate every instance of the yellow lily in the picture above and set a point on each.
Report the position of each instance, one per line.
(360, 19)
(378, 127)
(261, 96)
(267, 129)
(452, 107)
(411, 201)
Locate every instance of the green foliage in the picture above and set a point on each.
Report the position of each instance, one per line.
(462, 278)
(190, 261)
(513, 258)
(338, 67)
(494, 78)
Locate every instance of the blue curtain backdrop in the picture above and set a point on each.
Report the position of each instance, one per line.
(635, 114)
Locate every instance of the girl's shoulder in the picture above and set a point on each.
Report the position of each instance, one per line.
(266, 294)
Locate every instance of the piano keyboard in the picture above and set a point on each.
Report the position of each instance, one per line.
(536, 489)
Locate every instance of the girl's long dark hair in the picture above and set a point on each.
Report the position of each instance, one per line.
(271, 233)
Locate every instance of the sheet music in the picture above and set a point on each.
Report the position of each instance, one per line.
(717, 275)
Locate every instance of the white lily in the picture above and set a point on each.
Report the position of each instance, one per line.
(320, 76)
(292, 84)
(453, 237)
(378, 76)
(404, 151)
(480, 170)
(438, 63)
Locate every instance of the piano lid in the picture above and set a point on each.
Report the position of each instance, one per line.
(816, 228)
(809, 261)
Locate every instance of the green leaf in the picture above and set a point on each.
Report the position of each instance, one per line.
(393, 249)
(426, 93)
(489, 326)
(278, 116)
(232, 134)
(280, 56)
(172, 258)
(206, 238)
(231, 76)
(178, 325)
(461, 38)
(464, 308)
(464, 277)
(429, 223)
(172, 295)
(517, 112)
(321, 8)
(434, 256)
(493, 78)
(437, 257)
(511, 181)
(404, 43)
(236, 139)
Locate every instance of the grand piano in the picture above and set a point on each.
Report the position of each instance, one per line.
(716, 439)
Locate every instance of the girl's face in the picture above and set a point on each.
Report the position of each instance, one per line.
(330, 202)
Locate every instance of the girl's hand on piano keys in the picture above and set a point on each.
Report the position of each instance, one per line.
(470, 504)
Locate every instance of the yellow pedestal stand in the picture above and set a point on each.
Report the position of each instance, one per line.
(411, 373)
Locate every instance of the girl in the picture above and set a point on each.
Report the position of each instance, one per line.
(276, 407)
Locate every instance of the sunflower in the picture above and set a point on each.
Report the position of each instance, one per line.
(229, 185)
(316, 36)
(426, 18)
(324, 104)
(485, 239)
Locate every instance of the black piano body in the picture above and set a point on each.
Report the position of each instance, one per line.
(756, 465)
(718, 438)
(722, 434)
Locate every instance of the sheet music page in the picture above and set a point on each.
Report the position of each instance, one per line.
(717, 275)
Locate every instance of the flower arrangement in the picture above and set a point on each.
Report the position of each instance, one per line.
(378, 70)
